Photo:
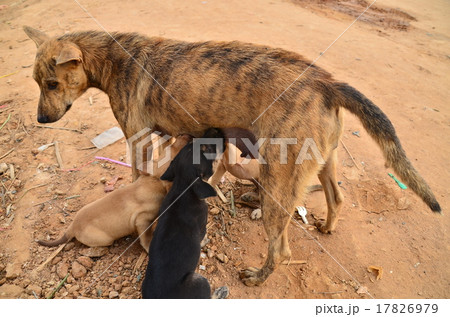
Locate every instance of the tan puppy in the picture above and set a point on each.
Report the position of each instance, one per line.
(127, 210)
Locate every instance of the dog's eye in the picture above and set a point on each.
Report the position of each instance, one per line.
(52, 85)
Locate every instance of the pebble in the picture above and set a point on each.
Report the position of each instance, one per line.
(222, 258)
(113, 294)
(69, 246)
(94, 252)
(3, 167)
(78, 270)
(214, 211)
(62, 269)
(85, 261)
(56, 260)
(12, 271)
(34, 288)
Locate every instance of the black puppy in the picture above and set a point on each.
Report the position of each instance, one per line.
(175, 248)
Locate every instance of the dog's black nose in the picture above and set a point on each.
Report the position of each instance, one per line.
(42, 119)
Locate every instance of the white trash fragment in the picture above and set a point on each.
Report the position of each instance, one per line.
(108, 137)
(302, 212)
(44, 147)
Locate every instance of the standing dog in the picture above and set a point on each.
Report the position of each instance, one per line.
(188, 87)
(127, 210)
(175, 248)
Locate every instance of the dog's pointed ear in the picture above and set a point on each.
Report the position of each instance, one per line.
(169, 174)
(203, 190)
(69, 53)
(37, 36)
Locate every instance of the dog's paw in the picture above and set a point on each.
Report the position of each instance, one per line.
(251, 276)
(322, 226)
(221, 293)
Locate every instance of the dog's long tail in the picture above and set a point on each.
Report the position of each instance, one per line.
(381, 129)
(65, 238)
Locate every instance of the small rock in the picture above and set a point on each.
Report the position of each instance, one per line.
(56, 260)
(94, 252)
(214, 211)
(85, 261)
(73, 289)
(61, 219)
(34, 288)
(222, 258)
(204, 242)
(3, 168)
(62, 269)
(59, 192)
(210, 253)
(78, 270)
(256, 214)
(103, 180)
(12, 271)
(69, 246)
(10, 291)
(113, 294)
(127, 290)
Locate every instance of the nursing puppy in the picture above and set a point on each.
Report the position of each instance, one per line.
(175, 248)
(127, 210)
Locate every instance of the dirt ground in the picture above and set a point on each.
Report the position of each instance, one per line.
(397, 55)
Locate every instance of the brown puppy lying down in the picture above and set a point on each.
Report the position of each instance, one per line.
(127, 210)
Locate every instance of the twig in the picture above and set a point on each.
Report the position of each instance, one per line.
(140, 260)
(221, 195)
(354, 162)
(289, 262)
(72, 197)
(87, 148)
(9, 117)
(51, 257)
(3, 76)
(7, 153)
(34, 187)
(58, 287)
(58, 154)
(58, 128)
(233, 207)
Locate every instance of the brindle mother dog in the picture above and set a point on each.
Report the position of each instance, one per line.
(222, 84)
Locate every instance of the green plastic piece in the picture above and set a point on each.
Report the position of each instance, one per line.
(399, 183)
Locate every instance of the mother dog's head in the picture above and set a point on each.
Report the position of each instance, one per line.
(58, 70)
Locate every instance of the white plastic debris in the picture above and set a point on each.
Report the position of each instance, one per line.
(302, 212)
(108, 137)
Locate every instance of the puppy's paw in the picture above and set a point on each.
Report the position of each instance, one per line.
(221, 293)
(251, 276)
(322, 226)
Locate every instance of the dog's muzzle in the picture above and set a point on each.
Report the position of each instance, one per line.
(42, 119)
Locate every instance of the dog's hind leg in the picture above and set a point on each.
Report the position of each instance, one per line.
(194, 286)
(278, 204)
(145, 230)
(333, 195)
(217, 176)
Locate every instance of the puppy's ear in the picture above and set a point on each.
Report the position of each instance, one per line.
(169, 174)
(69, 53)
(37, 36)
(203, 190)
